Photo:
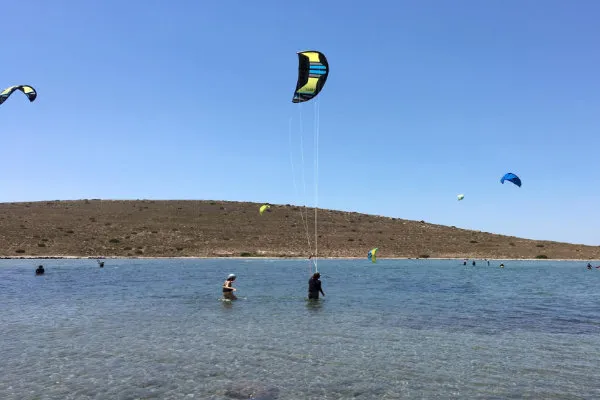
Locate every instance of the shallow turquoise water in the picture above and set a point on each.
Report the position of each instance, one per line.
(391, 330)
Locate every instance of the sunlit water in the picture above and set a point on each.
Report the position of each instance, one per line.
(156, 329)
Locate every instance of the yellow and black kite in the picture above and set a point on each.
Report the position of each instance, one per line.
(26, 89)
(312, 74)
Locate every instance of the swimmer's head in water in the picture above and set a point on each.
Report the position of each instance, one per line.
(231, 277)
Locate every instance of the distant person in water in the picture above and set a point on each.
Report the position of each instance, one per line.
(40, 270)
(501, 265)
(473, 262)
(228, 289)
(589, 266)
(314, 286)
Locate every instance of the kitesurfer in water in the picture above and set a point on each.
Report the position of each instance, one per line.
(40, 270)
(228, 289)
(314, 286)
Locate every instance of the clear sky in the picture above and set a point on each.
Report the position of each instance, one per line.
(425, 99)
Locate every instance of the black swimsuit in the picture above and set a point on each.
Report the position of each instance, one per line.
(314, 287)
(228, 289)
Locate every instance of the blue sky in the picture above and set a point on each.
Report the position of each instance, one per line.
(425, 100)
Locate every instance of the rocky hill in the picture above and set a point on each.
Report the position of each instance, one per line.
(173, 228)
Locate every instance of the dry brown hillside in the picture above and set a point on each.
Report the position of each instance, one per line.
(220, 228)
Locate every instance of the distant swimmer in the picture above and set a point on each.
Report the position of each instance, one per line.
(589, 266)
(488, 261)
(100, 263)
(501, 265)
(40, 270)
(473, 262)
(314, 286)
(228, 289)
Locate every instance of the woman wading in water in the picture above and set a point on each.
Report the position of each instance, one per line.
(228, 289)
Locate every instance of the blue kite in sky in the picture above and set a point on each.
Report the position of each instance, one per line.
(511, 177)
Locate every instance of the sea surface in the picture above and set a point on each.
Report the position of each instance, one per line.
(397, 329)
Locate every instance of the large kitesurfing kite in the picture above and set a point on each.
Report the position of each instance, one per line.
(313, 70)
(26, 89)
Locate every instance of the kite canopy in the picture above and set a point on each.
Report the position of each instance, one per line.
(313, 70)
(460, 196)
(372, 254)
(26, 89)
(512, 178)
(263, 208)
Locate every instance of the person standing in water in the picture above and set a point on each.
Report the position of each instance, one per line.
(314, 286)
(228, 289)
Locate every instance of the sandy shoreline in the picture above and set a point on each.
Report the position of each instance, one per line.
(278, 258)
